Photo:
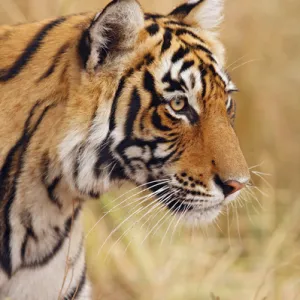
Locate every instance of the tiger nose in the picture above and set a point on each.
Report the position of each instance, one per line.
(232, 186)
(229, 187)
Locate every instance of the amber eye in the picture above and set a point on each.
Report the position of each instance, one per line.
(178, 104)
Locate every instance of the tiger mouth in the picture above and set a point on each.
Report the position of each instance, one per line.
(180, 205)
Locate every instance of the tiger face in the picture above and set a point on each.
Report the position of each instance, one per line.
(170, 124)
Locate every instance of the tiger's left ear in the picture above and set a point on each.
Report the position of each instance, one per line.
(111, 35)
(206, 14)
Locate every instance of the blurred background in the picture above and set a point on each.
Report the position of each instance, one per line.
(253, 251)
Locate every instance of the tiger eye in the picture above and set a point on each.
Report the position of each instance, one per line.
(178, 104)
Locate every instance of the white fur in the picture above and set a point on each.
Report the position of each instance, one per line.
(206, 213)
(88, 159)
(45, 281)
(67, 152)
(208, 14)
(231, 87)
(228, 102)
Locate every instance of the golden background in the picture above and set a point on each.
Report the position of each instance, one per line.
(253, 251)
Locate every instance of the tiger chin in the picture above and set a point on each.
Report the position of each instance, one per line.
(94, 99)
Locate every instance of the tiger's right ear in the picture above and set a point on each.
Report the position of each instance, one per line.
(111, 35)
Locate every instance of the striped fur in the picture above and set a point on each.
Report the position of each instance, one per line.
(85, 102)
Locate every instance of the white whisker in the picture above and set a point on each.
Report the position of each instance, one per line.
(260, 175)
(119, 205)
(124, 221)
(170, 196)
(256, 166)
(179, 219)
(245, 63)
(236, 61)
(127, 230)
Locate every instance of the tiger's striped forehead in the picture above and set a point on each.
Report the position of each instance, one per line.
(183, 60)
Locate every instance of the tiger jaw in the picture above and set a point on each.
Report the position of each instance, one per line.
(197, 211)
(203, 216)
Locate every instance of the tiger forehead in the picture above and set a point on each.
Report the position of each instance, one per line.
(167, 31)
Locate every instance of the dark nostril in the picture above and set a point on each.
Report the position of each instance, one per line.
(229, 187)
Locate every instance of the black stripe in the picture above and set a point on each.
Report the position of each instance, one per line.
(202, 48)
(173, 205)
(172, 145)
(134, 108)
(9, 179)
(215, 74)
(173, 84)
(157, 122)
(77, 165)
(184, 9)
(76, 290)
(177, 157)
(183, 84)
(193, 81)
(70, 221)
(148, 60)
(112, 117)
(126, 143)
(50, 187)
(177, 23)
(153, 16)
(84, 47)
(180, 54)
(162, 160)
(212, 69)
(186, 65)
(149, 85)
(167, 41)
(203, 73)
(64, 73)
(183, 31)
(105, 158)
(55, 61)
(230, 106)
(29, 52)
(51, 191)
(153, 29)
(24, 245)
(26, 220)
(173, 119)
(192, 115)
(29, 234)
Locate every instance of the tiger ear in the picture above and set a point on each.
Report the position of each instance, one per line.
(112, 34)
(207, 14)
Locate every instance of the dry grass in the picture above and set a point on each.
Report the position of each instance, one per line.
(253, 253)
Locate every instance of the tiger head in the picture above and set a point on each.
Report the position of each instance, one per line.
(165, 115)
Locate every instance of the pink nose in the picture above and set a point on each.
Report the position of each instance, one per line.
(231, 187)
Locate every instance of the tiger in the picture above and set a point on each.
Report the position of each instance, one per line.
(96, 99)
